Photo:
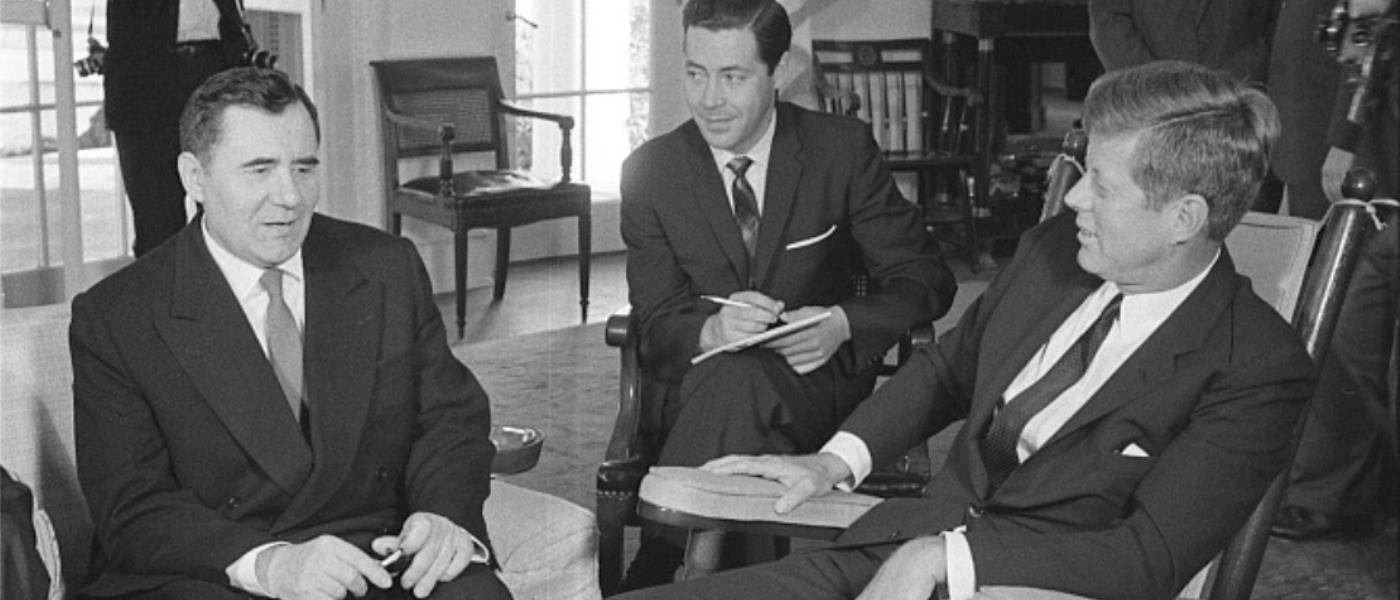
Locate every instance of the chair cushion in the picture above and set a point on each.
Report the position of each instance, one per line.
(740, 498)
(474, 184)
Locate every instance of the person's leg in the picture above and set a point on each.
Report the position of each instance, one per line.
(827, 574)
(147, 160)
(477, 582)
(1337, 473)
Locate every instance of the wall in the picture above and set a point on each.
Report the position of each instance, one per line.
(872, 19)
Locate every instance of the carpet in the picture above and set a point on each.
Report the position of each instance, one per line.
(562, 382)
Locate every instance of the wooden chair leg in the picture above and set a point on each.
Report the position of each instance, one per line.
(396, 223)
(613, 509)
(585, 256)
(459, 275)
(502, 262)
(702, 554)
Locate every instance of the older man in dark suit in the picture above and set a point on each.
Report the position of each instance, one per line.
(267, 405)
(771, 209)
(1127, 397)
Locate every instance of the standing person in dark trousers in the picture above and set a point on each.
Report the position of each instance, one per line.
(160, 51)
(762, 203)
(1232, 35)
(1345, 466)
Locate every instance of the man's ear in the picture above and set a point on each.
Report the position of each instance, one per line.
(191, 175)
(1190, 217)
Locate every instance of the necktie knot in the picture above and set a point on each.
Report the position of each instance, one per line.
(739, 165)
(271, 281)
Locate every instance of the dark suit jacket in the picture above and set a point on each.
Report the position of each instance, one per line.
(825, 172)
(1212, 397)
(139, 71)
(187, 452)
(1233, 35)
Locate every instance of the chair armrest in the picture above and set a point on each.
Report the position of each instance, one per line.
(565, 122)
(566, 125)
(445, 132)
(620, 334)
(441, 128)
(698, 499)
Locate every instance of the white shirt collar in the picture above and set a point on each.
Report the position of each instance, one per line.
(243, 276)
(1149, 310)
(759, 153)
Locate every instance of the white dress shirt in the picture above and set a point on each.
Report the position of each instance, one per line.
(757, 174)
(1140, 315)
(198, 21)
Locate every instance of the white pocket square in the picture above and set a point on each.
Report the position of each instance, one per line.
(811, 240)
(1134, 451)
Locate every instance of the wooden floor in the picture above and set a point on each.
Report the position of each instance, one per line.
(543, 295)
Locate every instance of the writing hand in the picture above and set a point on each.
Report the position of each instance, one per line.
(911, 573)
(804, 476)
(322, 568)
(807, 349)
(441, 550)
(733, 323)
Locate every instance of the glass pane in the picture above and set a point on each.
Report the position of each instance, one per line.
(535, 146)
(618, 43)
(547, 55)
(616, 124)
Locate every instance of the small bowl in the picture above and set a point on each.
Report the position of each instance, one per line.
(517, 448)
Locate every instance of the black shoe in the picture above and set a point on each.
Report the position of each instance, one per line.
(1297, 523)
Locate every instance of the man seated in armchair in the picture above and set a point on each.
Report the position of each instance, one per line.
(266, 405)
(1127, 396)
(755, 212)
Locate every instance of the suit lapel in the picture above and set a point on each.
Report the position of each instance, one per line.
(1182, 332)
(209, 335)
(342, 348)
(784, 171)
(708, 196)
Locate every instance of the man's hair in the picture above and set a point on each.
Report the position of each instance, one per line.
(267, 89)
(767, 19)
(1203, 132)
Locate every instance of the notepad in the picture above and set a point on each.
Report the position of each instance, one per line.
(759, 338)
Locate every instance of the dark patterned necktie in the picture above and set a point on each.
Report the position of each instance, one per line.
(745, 204)
(283, 341)
(999, 447)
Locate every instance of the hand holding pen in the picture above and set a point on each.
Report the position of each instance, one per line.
(741, 315)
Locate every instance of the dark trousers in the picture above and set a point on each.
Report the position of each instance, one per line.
(477, 582)
(147, 158)
(1343, 458)
(820, 575)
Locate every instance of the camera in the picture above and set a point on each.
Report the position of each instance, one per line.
(92, 63)
(258, 57)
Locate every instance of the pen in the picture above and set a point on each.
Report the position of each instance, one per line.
(738, 304)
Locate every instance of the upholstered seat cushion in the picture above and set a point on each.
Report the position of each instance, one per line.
(741, 498)
(484, 184)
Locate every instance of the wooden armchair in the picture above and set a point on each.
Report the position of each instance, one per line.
(439, 107)
(1266, 247)
(920, 122)
(632, 448)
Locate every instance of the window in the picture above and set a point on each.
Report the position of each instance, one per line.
(589, 59)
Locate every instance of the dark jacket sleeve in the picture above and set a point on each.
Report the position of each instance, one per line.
(449, 466)
(912, 284)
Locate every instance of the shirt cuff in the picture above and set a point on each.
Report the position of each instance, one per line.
(962, 573)
(480, 553)
(852, 451)
(243, 573)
